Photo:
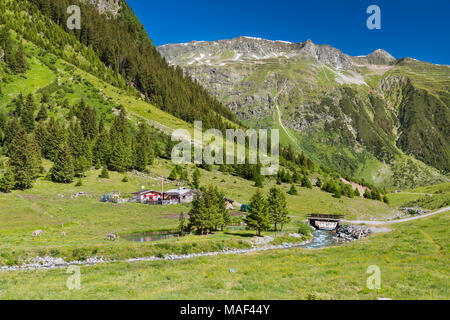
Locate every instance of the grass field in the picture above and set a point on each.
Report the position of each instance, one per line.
(55, 207)
(413, 260)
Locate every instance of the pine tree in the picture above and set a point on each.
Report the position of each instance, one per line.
(42, 114)
(104, 174)
(208, 211)
(196, 179)
(199, 214)
(181, 223)
(357, 193)
(141, 159)
(101, 150)
(11, 129)
(24, 160)
(21, 64)
(259, 180)
(277, 206)
(55, 138)
(79, 148)
(184, 175)
(118, 157)
(222, 216)
(306, 183)
(27, 115)
(173, 174)
(293, 190)
(63, 168)
(7, 181)
(89, 123)
(259, 218)
(40, 135)
(121, 143)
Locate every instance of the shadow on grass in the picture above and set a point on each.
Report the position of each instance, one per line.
(240, 234)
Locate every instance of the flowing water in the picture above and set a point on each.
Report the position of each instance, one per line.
(321, 239)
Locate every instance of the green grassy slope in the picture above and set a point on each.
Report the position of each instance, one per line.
(413, 260)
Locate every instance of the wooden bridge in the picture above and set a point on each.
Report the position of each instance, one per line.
(324, 221)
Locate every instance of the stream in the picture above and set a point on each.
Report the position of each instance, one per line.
(321, 239)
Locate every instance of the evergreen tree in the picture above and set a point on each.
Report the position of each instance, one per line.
(173, 174)
(293, 190)
(63, 167)
(121, 144)
(208, 211)
(306, 183)
(19, 105)
(89, 123)
(259, 218)
(7, 181)
(118, 157)
(79, 148)
(21, 64)
(277, 206)
(357, 193)
(101, 150)
(386, 199)
(104, 174)
(42, 114)
(295, 177)
(24, 160)
(184, 175)
(196, 179)
(27, 115)
(259, 180)
(12, 128)
(40, 135)
(181, 223)
(55, 137)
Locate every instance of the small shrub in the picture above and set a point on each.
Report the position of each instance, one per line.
(304, 229)
(104, 174)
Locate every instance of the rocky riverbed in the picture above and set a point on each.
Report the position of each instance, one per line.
(351, 232)
(48, 262)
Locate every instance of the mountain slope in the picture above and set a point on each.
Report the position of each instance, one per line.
(113, 33)
(372, 117)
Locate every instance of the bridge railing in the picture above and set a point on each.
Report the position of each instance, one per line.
(325, 216)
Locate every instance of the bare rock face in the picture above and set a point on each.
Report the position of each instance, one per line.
(107, 6)
(248, 49)
(328, 97)
(239, 72)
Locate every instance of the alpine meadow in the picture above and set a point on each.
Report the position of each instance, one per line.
(93, 205)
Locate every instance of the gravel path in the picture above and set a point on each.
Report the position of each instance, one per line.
(398, 220)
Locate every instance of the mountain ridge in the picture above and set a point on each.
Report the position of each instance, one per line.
(370, 110)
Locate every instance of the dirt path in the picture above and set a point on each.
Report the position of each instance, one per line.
(285, 129)
(397, 221)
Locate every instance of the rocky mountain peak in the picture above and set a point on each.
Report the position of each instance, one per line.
(380, 56)
(245, 49)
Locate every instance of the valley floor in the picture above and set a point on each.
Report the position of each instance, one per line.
(415, 252)
(413, 260)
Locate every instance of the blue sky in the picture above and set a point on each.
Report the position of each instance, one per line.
(418, 29)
